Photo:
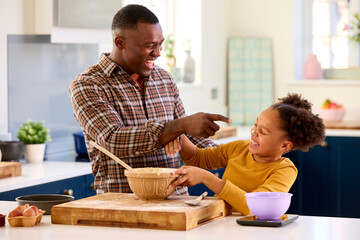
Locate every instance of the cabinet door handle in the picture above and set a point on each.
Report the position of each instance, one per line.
(69, 192)
(324, 144)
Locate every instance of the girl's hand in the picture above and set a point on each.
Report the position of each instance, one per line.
(172, 148)
(190, 176)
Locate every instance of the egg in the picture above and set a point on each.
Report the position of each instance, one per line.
(20, 208)
(36, 209)
(29, 212)
(15, 213)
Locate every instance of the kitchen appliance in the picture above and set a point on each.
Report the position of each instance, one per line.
(128, 210)
(254, 221)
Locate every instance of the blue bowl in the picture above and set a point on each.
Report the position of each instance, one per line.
(80, 146)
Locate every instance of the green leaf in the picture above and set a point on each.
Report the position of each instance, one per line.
(33, 132)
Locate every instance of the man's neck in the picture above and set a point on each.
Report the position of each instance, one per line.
(138, 79)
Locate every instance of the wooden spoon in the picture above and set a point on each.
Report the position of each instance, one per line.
(122, 163)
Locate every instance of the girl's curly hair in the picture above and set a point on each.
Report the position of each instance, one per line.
(304, 129)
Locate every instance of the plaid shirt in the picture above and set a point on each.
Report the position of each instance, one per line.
(112, 112)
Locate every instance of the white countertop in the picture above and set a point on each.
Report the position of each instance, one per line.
(342, 133)
(244, 133)
(47, 171)
(305, 227)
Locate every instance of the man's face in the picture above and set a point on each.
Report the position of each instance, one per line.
(142, 46)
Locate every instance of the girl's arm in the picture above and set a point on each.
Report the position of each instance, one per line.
(191, 176)
(181, 145)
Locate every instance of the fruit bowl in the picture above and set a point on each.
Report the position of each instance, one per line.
(151, 183)
(332, 114)
(268, 205)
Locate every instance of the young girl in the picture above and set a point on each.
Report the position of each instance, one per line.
(254, 165)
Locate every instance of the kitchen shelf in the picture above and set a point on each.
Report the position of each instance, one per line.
(325, 82)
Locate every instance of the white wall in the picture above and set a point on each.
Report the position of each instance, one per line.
(275, 19)
(18, 17)
(13, 20)
(220, 19)
(214, 31)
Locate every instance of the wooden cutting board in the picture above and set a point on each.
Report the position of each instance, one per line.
(225, 131)
(10, 169)
(342, 125)
(127, 210)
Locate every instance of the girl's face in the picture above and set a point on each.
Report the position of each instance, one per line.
(268, 142)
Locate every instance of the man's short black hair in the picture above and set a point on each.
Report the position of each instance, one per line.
(128, 16)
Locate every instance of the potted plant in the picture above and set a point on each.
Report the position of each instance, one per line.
(169, 46)
(34, 135)
(169, 51)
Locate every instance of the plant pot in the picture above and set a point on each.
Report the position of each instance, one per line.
(34, 153)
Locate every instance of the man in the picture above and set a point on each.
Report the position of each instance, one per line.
(131, 107)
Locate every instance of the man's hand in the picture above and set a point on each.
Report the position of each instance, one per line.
(202, 124)
(197, 125)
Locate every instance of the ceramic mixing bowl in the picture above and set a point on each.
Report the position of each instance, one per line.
(151, 183)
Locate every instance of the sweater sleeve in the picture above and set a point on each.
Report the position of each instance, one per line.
(213, 157)
(280, 180)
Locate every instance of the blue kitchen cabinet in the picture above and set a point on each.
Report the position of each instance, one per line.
(328, 183)
(198, 189)
(81, 187)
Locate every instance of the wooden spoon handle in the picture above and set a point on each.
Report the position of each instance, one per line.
(122, 163)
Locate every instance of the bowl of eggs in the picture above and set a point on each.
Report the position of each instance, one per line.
(151, 183)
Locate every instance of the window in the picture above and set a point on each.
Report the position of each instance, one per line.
(175, 22)
(325, 32)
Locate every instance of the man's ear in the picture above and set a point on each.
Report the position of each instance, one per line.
(120, 42)
(287, 146)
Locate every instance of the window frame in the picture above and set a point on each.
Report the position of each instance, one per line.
(304, 37)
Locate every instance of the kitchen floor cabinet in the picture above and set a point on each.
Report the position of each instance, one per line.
(80, 186)
(197, 190)
(328, 182)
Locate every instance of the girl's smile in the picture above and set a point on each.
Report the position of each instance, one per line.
(268, 141)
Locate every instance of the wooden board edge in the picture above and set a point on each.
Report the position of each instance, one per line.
(127, 219)
(209, 214)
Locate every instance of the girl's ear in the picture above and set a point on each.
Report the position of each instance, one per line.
(287, 146)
